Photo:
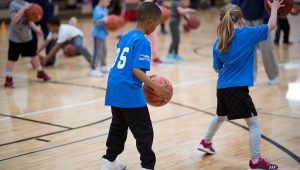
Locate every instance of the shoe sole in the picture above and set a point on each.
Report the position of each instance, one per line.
(200, 148)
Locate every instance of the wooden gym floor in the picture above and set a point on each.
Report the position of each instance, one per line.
(63, 124)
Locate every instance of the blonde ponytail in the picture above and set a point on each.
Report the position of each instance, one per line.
(229, 15)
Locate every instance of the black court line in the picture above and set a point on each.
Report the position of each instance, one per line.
(43, 140)
(279, 146)
(53, 147)
(277, 115)
(53, 133)
(35, 121)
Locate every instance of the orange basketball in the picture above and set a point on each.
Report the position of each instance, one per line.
(193, 22)
(34, 13)
(166, 13)
(70, 50)
(114, 22)
(283, 11)
(152, 97)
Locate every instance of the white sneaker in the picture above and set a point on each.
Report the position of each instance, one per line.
(96, 73)
(107, 165)
(274, 81)
(104, 69)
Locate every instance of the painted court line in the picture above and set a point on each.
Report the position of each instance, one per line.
(58, 108)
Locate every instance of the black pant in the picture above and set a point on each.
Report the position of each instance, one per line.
(174, 27)
(282, 24)
(139, 122)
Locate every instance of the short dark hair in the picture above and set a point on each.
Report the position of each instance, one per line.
(148, 10)
(54, 21)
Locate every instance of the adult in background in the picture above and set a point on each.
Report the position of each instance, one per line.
(255, 15)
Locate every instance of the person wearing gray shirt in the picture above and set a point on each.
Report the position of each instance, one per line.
(177, 10)
(21, 42)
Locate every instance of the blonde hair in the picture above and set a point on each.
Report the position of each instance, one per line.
(229, 15)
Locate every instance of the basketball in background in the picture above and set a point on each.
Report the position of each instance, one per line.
(70, 50)
(34, 12)
(193, 22)
(295, 10)
(166, 13)
(114, 22)
(282, 11)
(152, 97)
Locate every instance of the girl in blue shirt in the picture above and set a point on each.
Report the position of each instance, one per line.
(233, 59)
(100, 13)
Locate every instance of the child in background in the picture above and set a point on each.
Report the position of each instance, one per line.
(125, 82)
(177, 10)
(100, 13)
(233, 60)
(63, 33)
(21, 41)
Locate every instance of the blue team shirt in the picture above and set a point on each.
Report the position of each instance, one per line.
(236, 66)
(124, 90)
(99, 31)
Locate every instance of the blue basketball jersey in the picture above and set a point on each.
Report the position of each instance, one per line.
(123, 88)
(236, 66)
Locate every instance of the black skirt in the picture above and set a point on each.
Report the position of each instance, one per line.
(235, 103)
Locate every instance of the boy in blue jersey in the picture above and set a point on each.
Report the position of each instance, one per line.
(233, 60)
(124, 91)
(100, 13)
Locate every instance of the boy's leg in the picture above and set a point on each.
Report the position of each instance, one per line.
(117, 135)
(140, 125)
(175, 37)
(13, 56)
(81, 49)
(29, 49)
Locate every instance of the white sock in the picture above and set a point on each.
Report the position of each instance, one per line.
(9, 73)
(39, 68)
(255, 160)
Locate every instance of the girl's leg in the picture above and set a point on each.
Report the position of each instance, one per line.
(213, 127)
(254, 137)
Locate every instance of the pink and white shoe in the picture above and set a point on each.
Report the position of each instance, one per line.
(206, 147)
(262, 164)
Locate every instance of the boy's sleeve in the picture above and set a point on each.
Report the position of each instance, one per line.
(142, 55)
(258, 34)
(12, 9)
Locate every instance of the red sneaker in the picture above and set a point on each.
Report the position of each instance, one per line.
(42, 75)
(206, 147)
(156, 61)
(9, 82)
(262, 164)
